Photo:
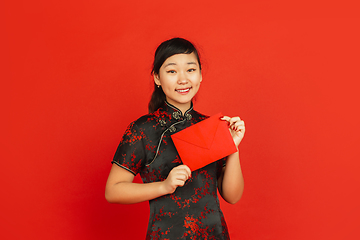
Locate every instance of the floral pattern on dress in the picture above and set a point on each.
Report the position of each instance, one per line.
(192, 211)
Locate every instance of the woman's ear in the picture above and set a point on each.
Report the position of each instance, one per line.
(157, 79)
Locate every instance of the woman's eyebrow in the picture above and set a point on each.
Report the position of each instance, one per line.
(169, 64)
(172, 63)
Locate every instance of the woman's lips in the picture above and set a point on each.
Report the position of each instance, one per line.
(183, 90)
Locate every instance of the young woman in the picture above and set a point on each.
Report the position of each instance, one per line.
(183, 204)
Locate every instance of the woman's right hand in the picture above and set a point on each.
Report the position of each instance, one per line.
(176, 178)
(120, 187)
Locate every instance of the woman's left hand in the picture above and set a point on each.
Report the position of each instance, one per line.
(236, 127)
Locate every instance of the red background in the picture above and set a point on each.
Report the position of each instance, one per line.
(76, 73)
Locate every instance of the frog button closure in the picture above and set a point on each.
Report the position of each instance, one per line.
(176, 115)
(172, 128)
(188, 116)
(162, 122)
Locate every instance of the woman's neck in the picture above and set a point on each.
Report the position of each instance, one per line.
(182, 107)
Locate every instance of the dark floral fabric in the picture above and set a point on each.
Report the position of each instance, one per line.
(192, 211)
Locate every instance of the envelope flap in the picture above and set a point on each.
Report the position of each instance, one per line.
(201, 134)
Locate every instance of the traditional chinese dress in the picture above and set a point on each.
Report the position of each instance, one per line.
(192, 211)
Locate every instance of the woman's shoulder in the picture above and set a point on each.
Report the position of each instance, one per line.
(144, 119)
(199, 116)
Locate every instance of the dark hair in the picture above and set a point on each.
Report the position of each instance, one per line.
(164, 51)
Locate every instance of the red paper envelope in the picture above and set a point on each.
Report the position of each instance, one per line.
(204, 142)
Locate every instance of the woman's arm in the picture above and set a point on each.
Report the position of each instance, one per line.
(231, 181)
(121, 189)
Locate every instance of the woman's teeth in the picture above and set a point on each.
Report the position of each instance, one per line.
(183, 90)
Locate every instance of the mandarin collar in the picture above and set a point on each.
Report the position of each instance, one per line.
(175, 113)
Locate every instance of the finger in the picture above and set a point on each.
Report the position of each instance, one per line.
(238, 121)
(233, 126)
(225, 118)
(234, 120)
(183, 169)
(182, 178)
(238, 124)
(240, 129)
(180, 183)
(181, 172)
(186, 169)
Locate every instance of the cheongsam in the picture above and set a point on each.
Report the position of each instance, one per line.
(192, 211)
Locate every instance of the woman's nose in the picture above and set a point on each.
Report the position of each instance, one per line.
(182, 78)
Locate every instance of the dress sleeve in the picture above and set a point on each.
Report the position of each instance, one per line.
(130, 153)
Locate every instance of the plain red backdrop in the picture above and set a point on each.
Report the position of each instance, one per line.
(76, 73)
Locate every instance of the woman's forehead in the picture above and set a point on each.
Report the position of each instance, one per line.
(181, 59)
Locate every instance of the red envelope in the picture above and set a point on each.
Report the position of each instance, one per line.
(204, 142)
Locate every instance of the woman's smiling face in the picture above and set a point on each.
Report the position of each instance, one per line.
(180, 78)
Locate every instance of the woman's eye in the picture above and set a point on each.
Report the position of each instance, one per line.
(171, 71)
(192, 70)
